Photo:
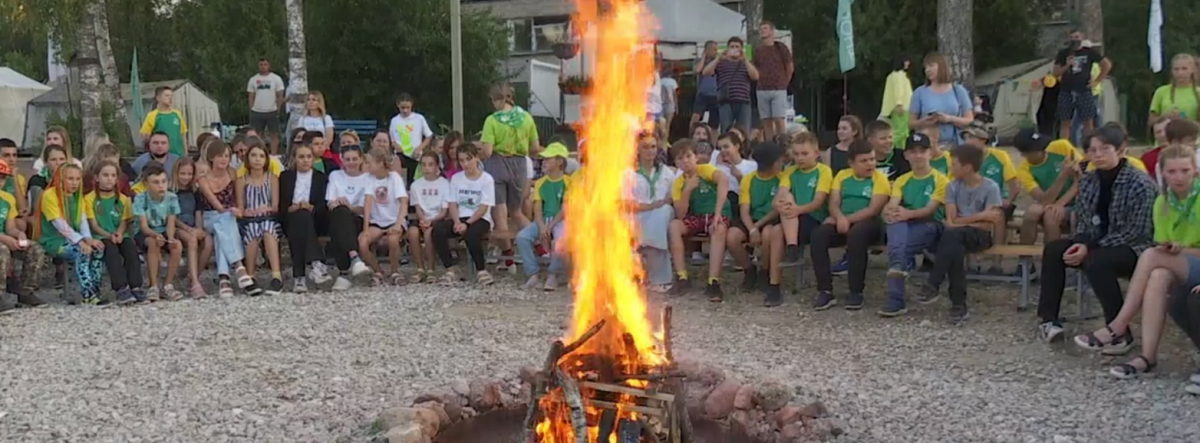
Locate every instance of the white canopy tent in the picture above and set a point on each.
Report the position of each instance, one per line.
(16, 91)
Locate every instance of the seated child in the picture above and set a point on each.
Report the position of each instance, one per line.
(15, 245)
(385, 214)
(241, 149)
(973, 212)
(345, 196)
(109, 213)
(474, 195)
(857, 197)
(760, 223)
(549, 195)
(914, 219)
(802, 194)
(302, 190)
(1123, 148)
(189, 225)
(63, 232)
(1150, 158)
(888, 158)
(652, 207)
(109, 153)
(258, 201)
(157, 210)
(1048, 174)
(997, 167)
(430, 204)
(18, 185)
(939, 154)
(701, 201)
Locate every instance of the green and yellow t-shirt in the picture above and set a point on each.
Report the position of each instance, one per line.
(8, 208)
(1179, 220)
(1168, 99)
(758, 192)
(509, 132)
(998, 167)
(107, 210)
(15, 185)
(915, 192)
(1137, 163)
(942, 164)
(703, 200)
(1043, 175)
(805, 184)
(170, 122)
(53, 209)
(550, 193)
(857, 192)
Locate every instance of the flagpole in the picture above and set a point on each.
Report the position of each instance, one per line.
(845, 94)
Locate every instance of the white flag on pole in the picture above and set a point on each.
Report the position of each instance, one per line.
(1154, 39)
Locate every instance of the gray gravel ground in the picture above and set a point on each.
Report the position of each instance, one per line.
(319, 367)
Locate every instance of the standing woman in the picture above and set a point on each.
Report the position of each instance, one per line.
(897, 96)
(509, 135)
(219, 203)
(1180, 98)
(315, 118)
(940, 102)
(652, 206)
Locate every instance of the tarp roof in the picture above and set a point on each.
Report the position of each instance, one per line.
(999, 75)
(695, 20)
(59, 94)
(13, 79)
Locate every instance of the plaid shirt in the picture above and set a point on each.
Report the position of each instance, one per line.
(1130, 213)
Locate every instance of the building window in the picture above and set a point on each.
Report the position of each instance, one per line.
(530, 35)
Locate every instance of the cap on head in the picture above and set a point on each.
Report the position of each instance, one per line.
(1028, 140)
(977, 130)
(4, 168)
(555, 150)
(918, 140)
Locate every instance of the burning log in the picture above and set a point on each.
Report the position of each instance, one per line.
(630, 431)
(591, 332)
(574, 400)
(666, 319)
(608, 424)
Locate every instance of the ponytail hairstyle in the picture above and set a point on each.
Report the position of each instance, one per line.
(1172, 152)
(736, 139)
(503, 92)
(1193, 78)
(381, 156)
(91, 165)
(855, 124)
(58, 187)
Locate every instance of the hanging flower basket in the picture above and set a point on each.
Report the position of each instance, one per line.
(565, 51)
(574, 85)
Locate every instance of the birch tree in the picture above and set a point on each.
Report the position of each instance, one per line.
(108, 71)
(297, 60)
(87, 59)
(1091, 20)
(955, 29)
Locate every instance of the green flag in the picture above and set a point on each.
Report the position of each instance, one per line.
(135, 89)
(845, 33)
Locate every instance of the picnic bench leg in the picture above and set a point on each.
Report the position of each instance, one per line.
(1023, 301)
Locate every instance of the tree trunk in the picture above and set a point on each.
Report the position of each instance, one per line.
(955, 29)
(91, 92)
(297, 61)
(753, 10)
(108, 70)
(1091, 20)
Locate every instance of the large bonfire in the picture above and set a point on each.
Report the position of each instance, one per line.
(615, 339)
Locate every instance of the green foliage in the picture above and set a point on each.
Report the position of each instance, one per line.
(1125, 26)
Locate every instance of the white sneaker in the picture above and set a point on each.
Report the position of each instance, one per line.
(551, 283)
(1195, 378)
(1049, 332)
(493, 255)
(359, 268)
(532, 282)
(300, 285)
(342, 284)
(317, 273)
(1192, 388)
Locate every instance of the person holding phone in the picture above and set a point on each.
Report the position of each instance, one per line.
(940, 102)
(734, 73)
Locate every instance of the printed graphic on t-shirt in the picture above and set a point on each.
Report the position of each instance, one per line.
(381, 194)
(469, 198)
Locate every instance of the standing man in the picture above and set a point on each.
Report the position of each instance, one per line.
(265, 91)
(1073, 66)
(166, 119)
(706, 90)
(734, 74)
(775, 66)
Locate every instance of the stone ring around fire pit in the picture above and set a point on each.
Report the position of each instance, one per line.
(722, 410)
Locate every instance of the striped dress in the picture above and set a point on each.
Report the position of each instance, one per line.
(254, 228)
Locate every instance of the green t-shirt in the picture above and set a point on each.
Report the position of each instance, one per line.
(857, 192)
(916, 192)
(509, 132)
(941, 164)
(172, 123)
(1043, 175)
(759, 194)
(51, 240)
(998, 167)
(805, 185)
(703, 200)
(108, 211)
(8, 206)
(1179, 222)
(550, 194)
(1166, 101)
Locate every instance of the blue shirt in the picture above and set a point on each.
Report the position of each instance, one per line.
(187, 208)
(954, 102)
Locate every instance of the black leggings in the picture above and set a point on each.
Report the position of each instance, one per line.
(121, 260)
(302, 240)
(1184, 307)
(344, 228)
(410, 168)
(443, 231)
(1103, 267)
(857, 241)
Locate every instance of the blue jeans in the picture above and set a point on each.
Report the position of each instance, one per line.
(525, 240)
(735, 113)
(906, 239)
(228, 239)
(657, 263)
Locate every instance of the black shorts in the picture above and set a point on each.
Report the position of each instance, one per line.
(1076, 104)
(140, 240)
(385, 228)
(264, 122)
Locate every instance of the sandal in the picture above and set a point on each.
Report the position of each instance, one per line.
(1126, 371)
(377, 279)
(226, 290)
(1090, 342)
(417, 277)
(397, 279)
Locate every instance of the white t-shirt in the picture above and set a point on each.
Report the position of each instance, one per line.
(409, 132)
(745, 167)
(39, 165)
(303, 187)
(654, 100)
(669, 86)
(644, 191)
(430, 196)
(353, 189)
(264, 88)
(471, 194)
(387, 192)
(529, 172)
(317, 124)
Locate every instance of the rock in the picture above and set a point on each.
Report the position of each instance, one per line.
(485, 395)
(410, 433)
(745, 398)
(787, 415)
(461, 387)
(430, 421)
(440, 398)
(772, 395)
(815, 410)
(468, 413)
(443, 417)
(453, 410)
(396, 417)
(824, 428)
(791, 432)
(719, 403)
(751, 421)
(528, 374)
